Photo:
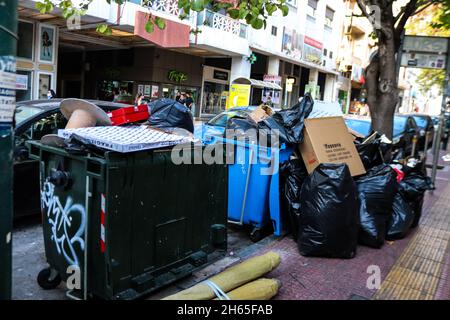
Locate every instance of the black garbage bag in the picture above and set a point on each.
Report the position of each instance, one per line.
(370, 153)
(167, 113)
(289, 122)
(292, 174)
(376, 189)
(328, 221)
(413, 188)
(401, 220)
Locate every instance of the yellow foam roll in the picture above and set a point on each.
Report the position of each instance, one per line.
(261, 289)
(231, 278)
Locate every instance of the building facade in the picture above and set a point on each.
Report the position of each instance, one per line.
(205, 54)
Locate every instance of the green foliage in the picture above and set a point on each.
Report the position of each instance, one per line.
(149, 26)
(434, 21)
(254, 12)
(103, 28)
(160, 23)
(430, 78)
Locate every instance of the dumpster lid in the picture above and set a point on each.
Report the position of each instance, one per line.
(125, 139)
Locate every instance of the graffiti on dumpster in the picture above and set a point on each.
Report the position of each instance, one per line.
(62, 219)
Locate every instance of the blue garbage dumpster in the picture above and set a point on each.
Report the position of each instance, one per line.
(253, 189)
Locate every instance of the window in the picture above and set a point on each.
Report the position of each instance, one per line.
(274, 30)
(329, 16)
(25, 42)
(313, 4)
(325, 52)
(311, 9)
(331, 54)
(292, 3)
(329, 13)
(22, 95)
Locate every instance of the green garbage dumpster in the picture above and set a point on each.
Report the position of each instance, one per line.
(120, 225)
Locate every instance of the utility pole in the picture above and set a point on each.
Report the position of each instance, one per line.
(8, 40)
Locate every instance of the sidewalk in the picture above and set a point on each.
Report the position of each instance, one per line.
(416, 267)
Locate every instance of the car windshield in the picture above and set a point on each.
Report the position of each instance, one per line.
(222, 119)
(421, 122)
(360, 126)
(25, 112)
(399, 125)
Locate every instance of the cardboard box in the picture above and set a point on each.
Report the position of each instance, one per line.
(261, 113)
(327, 140)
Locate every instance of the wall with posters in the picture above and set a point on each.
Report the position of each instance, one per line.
(37, 59)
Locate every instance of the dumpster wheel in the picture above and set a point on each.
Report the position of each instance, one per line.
(48, 279)
(256, 234)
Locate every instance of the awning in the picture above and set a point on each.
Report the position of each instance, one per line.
(258, 83)
(175, 35)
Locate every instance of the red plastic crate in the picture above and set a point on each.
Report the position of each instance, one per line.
(129, 115)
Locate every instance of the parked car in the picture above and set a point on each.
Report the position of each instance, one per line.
(404, 130)
(207, 132)
(35, 119)
(425, 124)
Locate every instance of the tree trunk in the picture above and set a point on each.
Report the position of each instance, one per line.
(381, 78)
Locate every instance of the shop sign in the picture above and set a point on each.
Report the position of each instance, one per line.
(313, 90)
(274, 94)
(239, 95)
(425, 52)
(7, 88)
(220, 75)
(177, 76)
(313, 51)
(292, 44)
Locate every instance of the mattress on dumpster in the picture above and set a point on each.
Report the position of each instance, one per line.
(124, 139)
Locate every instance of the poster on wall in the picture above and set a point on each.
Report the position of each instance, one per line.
(155, 92)
(46, 44)
(7, 86)
(239, 95)
(313, 51)
(45, 81)
(292, 43)
(140, 88)
(274, 95)
(313, 90)
(147, 90)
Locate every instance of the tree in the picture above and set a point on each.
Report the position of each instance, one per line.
(382, 72)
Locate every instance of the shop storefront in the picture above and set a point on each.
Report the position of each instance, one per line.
(358, 96)
(215, 91)
(36, 59)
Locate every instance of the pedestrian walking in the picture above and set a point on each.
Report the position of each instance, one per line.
(189, 102)
(178, 96)
(138, 99)
(51, 94)
(182, 99)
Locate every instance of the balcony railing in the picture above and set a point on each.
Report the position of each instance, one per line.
(166, 6)
(221, 22)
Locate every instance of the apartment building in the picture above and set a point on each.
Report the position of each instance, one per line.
(206, 53)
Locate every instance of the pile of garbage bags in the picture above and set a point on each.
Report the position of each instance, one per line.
(288, 123)
(331, 212)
